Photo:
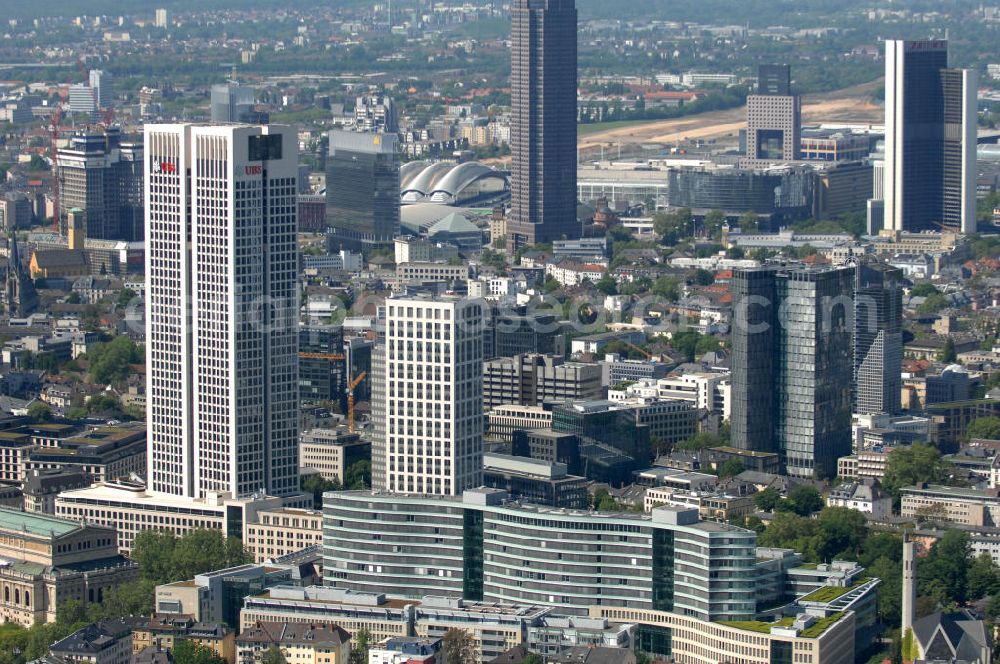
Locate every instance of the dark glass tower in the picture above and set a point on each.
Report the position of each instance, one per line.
(362, 189)
(543, 122)
(878, 339)
(793, 365)
(930, 139)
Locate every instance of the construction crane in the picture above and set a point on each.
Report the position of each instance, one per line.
(350, 399)
(54, 135)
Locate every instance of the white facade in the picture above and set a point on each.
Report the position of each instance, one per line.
(221, 290)
(428, 397)
(708, 391)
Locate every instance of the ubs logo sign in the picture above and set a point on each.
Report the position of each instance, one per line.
(253, 169)
(162, 167)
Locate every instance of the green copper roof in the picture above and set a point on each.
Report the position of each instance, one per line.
(34, 523)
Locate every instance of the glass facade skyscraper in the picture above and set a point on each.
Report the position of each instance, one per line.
(793, 365)
(542, 122)
(930, 139)
(878, 339)
(362, 188)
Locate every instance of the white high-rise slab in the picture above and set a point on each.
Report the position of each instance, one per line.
(221, 294)
(428, 396)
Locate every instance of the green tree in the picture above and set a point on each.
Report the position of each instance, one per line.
(984, 427)
(731, 468)
(550, 285)
(607, 285)
(841, 531)
(111, 361)
(533, 658)
(749, 222)
(91, 318)
(273, 655)
(890, 590)
(40, 411)
(358, 475)
(714, 220)
(943, 573)
(948, 354)
(767, 500)
(73, 298)
(933, 304)
(672, 226)
(667, 287)
(805, 500)
(983, 577)
(71, 612)
(457, 647)
(700, 441)
(703, 277)
(924, 289)
(153, 550)
(362, 643)
(317, 485)
(125, 296)
(909, 465)
(136, 598)
(189, 652)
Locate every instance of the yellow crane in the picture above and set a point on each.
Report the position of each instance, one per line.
(350, 399)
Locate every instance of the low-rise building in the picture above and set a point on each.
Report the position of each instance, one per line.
(129, 507)
(711, 505)
(535, 481)
(279, 532)
(503, 420)
(41, 487)
(50, 560)
(405, 650)
(380, 616)
(865, 496)
(551, 634)
(104, 642)
(165, 630)
(217, 596)
(299, 643)
(332, 452)
(969, 507)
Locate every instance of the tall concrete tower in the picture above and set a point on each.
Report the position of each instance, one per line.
(909, 585)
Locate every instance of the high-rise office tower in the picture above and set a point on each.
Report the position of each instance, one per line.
(427, 396)
(375, 112)
(103, 85)
(878, 338)
(930, 139)
(543, 122)
(774, 116)
(231, 102)
(362, 188)
(102, 175)
(221, 301)
(792, 365)
(160, 18)
(83, 100)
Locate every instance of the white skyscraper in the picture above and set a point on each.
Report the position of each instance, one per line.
(221, 347)
(428, 397)
(160, 18)
(103, 86)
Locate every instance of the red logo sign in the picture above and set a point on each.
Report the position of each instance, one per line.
(254, 169)
(162, 167)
